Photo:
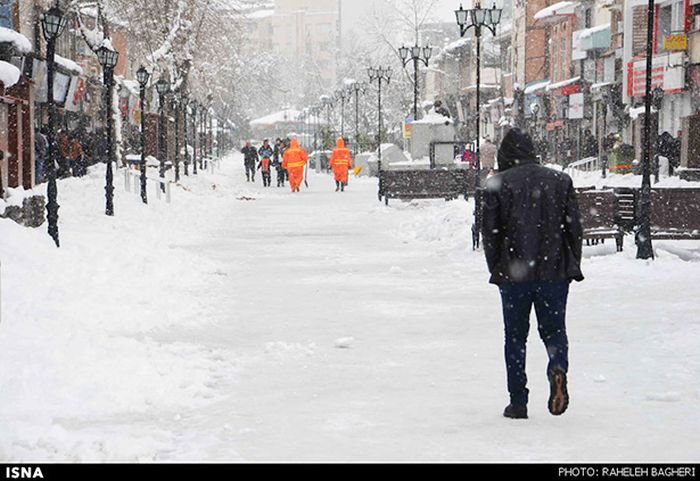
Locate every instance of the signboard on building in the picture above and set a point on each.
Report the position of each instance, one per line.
(676, 42)
(668, 73)
(577, 53)
(576, 106)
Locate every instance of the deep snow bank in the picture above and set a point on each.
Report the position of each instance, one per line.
(74, 337)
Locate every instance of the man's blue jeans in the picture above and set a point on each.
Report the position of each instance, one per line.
(549, 299)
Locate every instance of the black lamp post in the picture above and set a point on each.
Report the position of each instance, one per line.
(343, 95)
(301, 118)
(162, 87)
(184, 102)
(645, 249)
(327, 103)
(381, 75)
(108, 59)
(142, 75)
(478, 18)
(176, 110)
(194, 105)
(206, 128)
(357, 88)
(316, 111)
(52, 23)
(415, 54)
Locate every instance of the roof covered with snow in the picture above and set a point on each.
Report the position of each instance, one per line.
(557, 10)
(287, 115)
(20, 42)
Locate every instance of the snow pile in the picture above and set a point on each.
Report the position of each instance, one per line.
(76, 339)
(19, 41)
(9, 74)
(445, 225)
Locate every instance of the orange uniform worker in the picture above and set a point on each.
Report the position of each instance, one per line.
(341, 162)
(294, 161)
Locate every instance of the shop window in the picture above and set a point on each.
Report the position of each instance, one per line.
(7, 8)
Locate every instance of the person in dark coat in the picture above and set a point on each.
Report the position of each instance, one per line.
(670, 148)
(277, 162)
(250, 158)
(41, 151)
(266, 154)
(533, 242)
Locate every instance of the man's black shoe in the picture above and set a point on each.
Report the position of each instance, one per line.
(558, 393)
(515, 412)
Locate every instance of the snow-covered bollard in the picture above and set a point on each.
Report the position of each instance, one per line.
(344, 342)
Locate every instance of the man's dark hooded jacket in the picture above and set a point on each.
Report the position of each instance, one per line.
(531, 223)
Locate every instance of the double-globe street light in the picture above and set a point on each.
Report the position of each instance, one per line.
(108, 58)
(478, 18)
(53, 22)
(142, 76)
(380, 75)
(415, 54)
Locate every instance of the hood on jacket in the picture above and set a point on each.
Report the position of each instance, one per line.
(516, 149)
(294, 143)
(340, 143)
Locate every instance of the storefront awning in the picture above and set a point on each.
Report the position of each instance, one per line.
(557, 12)
(567, 87)
(536, 87)
(595, 37)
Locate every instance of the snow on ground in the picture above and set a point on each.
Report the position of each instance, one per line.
(239, 323)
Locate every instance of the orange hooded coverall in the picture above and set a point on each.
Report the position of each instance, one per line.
(341, 161)
(294, 160)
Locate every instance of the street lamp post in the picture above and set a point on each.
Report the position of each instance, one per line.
(52, 22)
(194, 105)
(142, 75)
(343, 95)
(357, 88)
(315, 111)
(184, 101)
(478, 18)
(381, 75)
(645, 249)
(415, 54)
(176, 110)
(162, 87)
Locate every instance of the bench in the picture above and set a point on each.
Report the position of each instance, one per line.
(675, 213)
(599, 217)
(426, 184)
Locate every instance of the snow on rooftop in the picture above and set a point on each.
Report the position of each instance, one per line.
(556, 10)
(288, 115)
(20, 42)
(9, 74)
(536, 87)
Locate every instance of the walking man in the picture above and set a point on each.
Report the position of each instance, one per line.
(533, 242)
(341, 162)
(295, 159)
(250, 158)
(266, 153)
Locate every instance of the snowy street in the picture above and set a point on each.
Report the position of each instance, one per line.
(242, 323)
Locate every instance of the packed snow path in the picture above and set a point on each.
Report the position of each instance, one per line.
(328, 327)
